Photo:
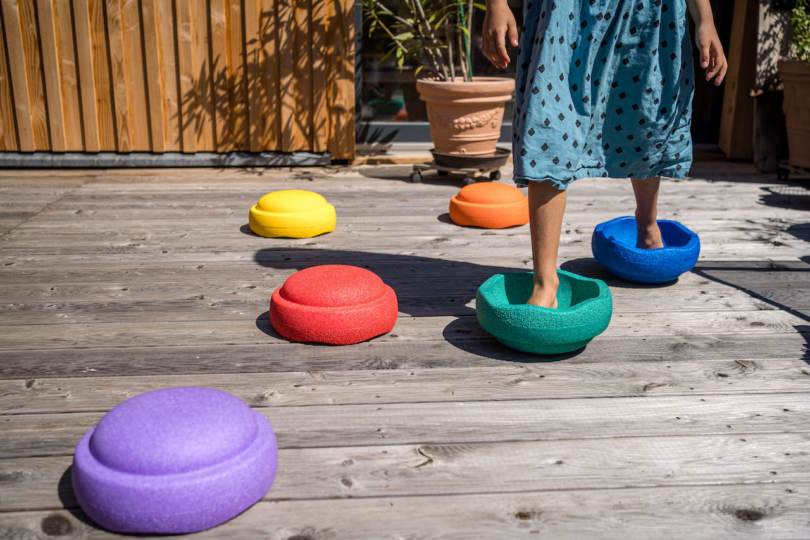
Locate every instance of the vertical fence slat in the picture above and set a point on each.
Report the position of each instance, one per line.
(203, 80)
(341, 68)
(19, 77)
(68, 77)
(101, 76)
(219, 70)
(118, 70)
(84, 53)
(318, 104)
(188, 99)
(268, 28)
(254, 79)
(50, 63)
(154, 74)
(237, 88)
(286, 77)
(137, 108)
(8, 128)
(302, 47)
(19, 80)
(33, 71)
(168, 65)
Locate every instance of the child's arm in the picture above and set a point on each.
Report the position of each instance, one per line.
(712, 57)
(498, 22)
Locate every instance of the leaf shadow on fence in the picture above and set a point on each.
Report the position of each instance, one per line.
(283, 91)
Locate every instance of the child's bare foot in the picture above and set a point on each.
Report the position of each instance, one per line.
(649, 236)
(544, 295)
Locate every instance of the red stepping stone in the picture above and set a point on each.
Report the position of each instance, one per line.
(334, 304)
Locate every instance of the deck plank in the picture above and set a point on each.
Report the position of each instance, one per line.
(508, 382)
(456, 469)
(774, 511)
(470, 422)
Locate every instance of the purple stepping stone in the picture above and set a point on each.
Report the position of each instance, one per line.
(174, 461)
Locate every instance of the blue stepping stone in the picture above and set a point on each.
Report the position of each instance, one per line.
(614, 245)
(583, 312)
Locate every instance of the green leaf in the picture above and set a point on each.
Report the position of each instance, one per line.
(464, 29)
(403, 36)
(417, 70)
(440, 22)
(386, 55)
(482, 7)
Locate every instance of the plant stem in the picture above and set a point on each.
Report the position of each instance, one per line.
(469, 37)
(448, 36)
(392, 14)
(462, 56)
(423, 19)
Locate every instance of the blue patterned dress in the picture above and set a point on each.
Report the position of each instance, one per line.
(604, 89)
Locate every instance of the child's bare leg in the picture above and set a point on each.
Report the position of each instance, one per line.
(646, 190)
(546, 208)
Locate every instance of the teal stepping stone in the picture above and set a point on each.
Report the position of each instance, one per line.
(583, 312)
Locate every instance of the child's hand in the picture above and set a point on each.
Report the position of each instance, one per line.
(712, 58)
(498, 22)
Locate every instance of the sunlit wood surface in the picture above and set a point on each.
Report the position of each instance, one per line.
(688, 418)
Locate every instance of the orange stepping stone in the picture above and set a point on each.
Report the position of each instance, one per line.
(490, 205)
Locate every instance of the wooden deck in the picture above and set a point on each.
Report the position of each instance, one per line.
(688, 418)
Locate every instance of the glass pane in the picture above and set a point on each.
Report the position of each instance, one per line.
(389, 94)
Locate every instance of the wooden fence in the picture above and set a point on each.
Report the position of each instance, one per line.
(177, 75)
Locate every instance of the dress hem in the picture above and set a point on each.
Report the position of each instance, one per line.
(671, 172)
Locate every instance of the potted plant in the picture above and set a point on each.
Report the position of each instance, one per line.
(465, 112)
(795, 74)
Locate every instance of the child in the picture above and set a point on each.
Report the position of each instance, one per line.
(603, 89)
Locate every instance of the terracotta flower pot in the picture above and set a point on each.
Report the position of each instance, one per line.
(795, 75)
(466, 117)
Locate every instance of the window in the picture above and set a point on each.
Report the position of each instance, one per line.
(388, 104)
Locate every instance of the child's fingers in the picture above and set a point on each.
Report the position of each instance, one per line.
(705, 56)
(513, 33)
(719, 64)
(503, 56)
(722, 76)
(721, 60)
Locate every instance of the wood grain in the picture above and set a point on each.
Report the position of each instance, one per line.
(118, 70)
(51, 66)
(187, 102)
(302, 72)
(472, 422)
(286, 74)
(156, 85)
(138, 113)
(166, 27)
(87, 78)
(237, 75)
(220, 75)
(105, 108)
(775, 511)
(69, 77)
(8, 128)
(269, 62)
(357, 387)
(19, 77)
(203, 99)
(33, 71)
